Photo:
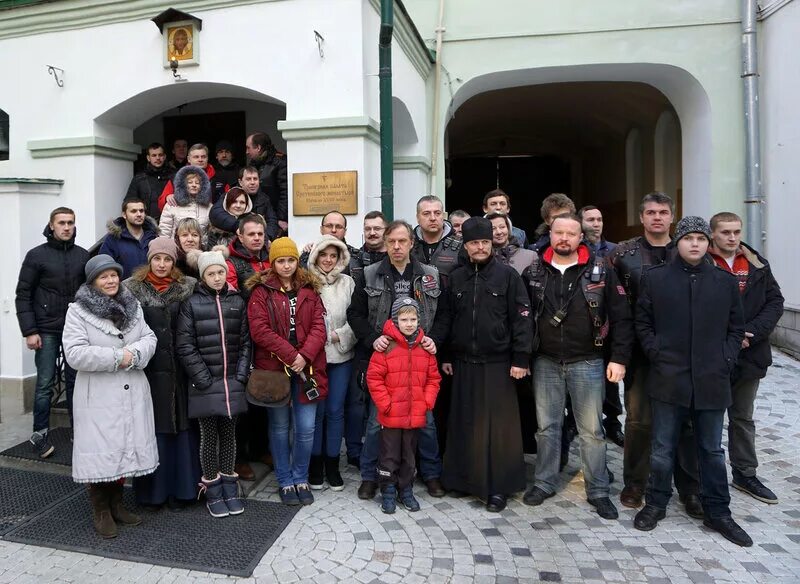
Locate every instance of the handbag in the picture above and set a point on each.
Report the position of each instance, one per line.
(268, 388)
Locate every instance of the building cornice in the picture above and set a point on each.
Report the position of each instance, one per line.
(30, 186)
(331, 128)
(422, 163)
(84, 146)
(76, 14)
(409, 39)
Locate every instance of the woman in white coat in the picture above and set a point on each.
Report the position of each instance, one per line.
(108, 343)
(328, 258)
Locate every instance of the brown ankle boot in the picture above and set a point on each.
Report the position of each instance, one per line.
(101, 512)
(118, 510)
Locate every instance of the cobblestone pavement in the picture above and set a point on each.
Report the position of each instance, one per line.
(341, 538)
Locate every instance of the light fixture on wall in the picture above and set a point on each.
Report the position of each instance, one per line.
(55, 72)
(173, 64)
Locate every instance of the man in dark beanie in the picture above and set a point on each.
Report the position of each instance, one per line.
(690, 323)
(490, 345)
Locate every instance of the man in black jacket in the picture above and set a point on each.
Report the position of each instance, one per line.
(50, 275)
(227, 170)
(630, 260)
(690, 324)
(490, 345)
(376, 289)
(763, 306)
(148, 184)
(576, 301)
(271, 165)
(435, 241)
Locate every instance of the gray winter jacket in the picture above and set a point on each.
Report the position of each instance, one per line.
(113, 412)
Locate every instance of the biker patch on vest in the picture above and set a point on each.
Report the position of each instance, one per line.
(428, 282)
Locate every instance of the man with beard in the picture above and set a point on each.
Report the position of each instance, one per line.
(690, 324)
(399, 274)
(271, 165)
(374, 248)
(50, 275)
(576, 301)
(435, 241)
(129, 236)
(631, 259)
(763, 306)
(225, 167)
(149, 184)
(490, 344)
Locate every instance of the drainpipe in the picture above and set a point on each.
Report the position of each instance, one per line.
(754, 195)
(437, 89)
(385, 84)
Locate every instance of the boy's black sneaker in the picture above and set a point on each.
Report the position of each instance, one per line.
(754, 487)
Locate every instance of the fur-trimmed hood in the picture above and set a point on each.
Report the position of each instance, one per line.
(182, 197)
(123, 310)
(268, 278)
(178, 291)
(117, 227)
(344, 258)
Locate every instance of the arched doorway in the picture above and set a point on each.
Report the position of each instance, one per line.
(604, 134)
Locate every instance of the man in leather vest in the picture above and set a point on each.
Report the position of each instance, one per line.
(397, 275)
(372, 252)
(576, 300)
(435, 241)
(630, 260)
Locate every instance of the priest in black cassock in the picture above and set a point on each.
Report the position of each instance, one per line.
(490, 347)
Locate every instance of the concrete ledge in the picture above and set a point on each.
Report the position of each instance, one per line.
(422, 163)
(84, 146)
(30, 186)
(331, 128)
(787, 334)
(16, 396)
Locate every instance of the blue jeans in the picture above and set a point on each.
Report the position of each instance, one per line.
(584, 381)
(354, 417)
(330, 414)
(45, 360)
(291, 462)
(430, 463)
(667, 421)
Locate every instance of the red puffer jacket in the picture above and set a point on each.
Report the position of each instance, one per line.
(271, 346)
(403, 381)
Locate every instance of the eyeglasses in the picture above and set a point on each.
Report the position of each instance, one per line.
(333, 226)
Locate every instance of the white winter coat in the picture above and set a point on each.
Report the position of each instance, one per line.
(112, 409)
(336, 292)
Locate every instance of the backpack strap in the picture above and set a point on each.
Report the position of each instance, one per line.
(593, 286)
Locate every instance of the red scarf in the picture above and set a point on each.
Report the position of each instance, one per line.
(160, 284)
(740, 269)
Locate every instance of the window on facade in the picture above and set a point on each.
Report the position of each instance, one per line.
(4, 145)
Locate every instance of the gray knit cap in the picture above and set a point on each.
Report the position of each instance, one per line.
(403, 302)
(99, 264)
(691, 224)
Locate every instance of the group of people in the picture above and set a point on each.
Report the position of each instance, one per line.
(445, 350)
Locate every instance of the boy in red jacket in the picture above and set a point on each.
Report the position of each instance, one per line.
(403, 382)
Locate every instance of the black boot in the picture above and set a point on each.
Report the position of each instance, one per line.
(316, 478)
(335, 481)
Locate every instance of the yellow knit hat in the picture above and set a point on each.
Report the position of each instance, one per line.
(283, 247)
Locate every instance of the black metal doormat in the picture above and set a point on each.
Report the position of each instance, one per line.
(59, 438)
(24, 493)
(189, 539)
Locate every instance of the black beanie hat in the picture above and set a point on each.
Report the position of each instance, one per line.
(476, 228)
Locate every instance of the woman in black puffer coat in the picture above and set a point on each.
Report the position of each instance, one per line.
(160, 288)
(213, 342)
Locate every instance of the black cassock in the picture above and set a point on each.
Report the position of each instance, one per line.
(484, 440)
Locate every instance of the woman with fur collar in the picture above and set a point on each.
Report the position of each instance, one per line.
(328, 258)
(192, 199)
(160, 287)
(107, 341)
(288, 330)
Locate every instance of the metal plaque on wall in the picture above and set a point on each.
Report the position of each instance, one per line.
(316, 193)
